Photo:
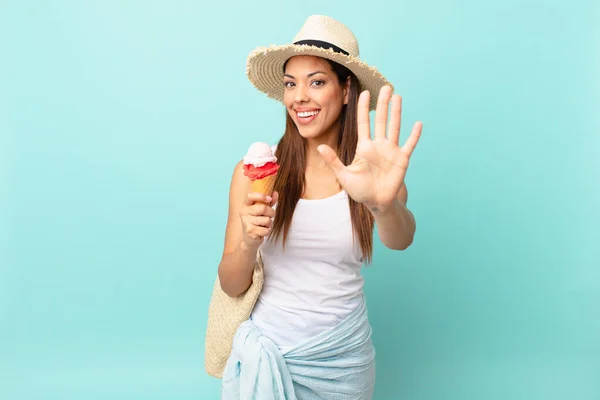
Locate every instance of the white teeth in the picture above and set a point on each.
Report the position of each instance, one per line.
(307, 114)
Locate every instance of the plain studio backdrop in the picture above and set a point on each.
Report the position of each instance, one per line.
(120, 125)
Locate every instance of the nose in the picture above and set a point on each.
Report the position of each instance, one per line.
(301, 94)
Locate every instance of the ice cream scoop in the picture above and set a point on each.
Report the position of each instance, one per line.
(259, 153)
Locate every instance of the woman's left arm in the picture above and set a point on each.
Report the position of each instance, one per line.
(395, 223)
(375, 177)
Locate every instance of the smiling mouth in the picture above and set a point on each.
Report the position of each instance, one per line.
(307, 114)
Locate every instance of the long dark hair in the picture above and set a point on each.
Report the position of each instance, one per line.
(291, 154)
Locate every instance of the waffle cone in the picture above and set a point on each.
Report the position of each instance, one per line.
(264, 185)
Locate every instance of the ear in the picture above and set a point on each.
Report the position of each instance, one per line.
(347, 90)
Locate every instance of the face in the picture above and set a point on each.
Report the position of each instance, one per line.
(313, 96)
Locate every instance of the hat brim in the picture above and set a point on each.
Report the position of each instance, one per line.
(264, 68)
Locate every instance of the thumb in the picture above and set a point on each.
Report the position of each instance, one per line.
(331, 159)
(274, 198)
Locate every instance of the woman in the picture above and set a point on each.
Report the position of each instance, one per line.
(309, 335)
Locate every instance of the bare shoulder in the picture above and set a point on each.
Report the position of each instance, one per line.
(238, 178)
(237, 192)
(240, 184)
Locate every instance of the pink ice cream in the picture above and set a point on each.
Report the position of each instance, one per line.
(260, 161)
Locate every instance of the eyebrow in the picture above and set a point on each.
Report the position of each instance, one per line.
(308, 76)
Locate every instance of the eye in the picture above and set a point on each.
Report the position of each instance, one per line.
(288, 84)
(318, 83)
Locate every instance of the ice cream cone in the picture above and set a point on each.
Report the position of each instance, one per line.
(264, 185)
(260, 165)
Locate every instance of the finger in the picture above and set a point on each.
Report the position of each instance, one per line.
(395, 120)
(261, 209)
(258, 231)
(381, 112)
(262, 231)
(260, 221)
(254, 197)
(364, 125)
(411, 143)
(331, 159)
(275, 198)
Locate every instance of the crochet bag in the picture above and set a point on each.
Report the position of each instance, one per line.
(225, 314)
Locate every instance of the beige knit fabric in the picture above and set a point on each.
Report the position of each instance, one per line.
(225, 314)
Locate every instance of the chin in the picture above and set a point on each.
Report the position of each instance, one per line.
(309, 133)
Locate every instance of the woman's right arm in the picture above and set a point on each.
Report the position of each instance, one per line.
(248, 222)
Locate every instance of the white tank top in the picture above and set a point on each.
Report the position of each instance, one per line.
(316, 281)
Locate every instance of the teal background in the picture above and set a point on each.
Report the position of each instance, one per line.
(120, 124)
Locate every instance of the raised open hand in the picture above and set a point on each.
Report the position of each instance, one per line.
(377, 172)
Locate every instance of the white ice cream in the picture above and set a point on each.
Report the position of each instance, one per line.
(260, 153)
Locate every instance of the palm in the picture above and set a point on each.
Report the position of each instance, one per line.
(377, 172)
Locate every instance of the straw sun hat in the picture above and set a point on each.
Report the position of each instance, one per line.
(320, 36)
